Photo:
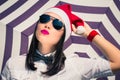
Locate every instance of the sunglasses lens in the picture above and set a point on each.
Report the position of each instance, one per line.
(57, 24)
(44, 18)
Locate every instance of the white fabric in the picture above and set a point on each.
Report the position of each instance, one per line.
(76, 68)
(80, 30)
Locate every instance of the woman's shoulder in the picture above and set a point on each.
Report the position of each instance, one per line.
(16, 62)
(17, 58)
(75, 59)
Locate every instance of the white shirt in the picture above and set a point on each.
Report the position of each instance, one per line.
(76, 68)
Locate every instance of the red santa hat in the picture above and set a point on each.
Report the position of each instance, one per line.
(64, 11)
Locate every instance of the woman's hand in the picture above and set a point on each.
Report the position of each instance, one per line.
(87, 30)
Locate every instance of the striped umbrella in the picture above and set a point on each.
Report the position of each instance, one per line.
(18, 18)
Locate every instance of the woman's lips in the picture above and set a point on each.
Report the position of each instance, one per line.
(45, 32)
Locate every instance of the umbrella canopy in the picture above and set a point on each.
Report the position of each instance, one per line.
(18, 18)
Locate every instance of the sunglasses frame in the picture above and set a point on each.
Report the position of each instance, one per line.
(57, 27)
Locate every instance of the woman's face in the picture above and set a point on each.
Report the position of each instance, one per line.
(47, 34)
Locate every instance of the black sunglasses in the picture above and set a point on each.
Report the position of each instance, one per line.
(57, 24)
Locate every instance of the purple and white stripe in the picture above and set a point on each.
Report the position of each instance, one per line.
(18, 18)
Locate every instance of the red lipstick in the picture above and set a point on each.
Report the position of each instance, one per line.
(45, 32)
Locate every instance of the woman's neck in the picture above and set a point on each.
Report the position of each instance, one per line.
(45, 49)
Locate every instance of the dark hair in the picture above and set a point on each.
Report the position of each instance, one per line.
(59, 57)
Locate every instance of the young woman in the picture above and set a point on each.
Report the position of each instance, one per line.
(46, 60)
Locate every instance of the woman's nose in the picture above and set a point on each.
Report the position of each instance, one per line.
(48, 24)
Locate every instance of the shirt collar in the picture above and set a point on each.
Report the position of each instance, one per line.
(49, 54)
